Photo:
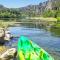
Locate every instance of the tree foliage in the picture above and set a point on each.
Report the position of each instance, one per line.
(51, 13)
(9, 13)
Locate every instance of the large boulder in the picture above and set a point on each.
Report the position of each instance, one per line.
(7, 35)
(9, 54)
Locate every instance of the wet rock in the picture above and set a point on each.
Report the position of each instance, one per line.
(9, 54)
(7, 35)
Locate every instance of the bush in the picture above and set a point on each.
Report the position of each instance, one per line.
(58, 19)
(52, 13)
(58, 13)
(49, 13)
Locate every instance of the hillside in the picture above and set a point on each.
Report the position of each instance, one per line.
(42, 9)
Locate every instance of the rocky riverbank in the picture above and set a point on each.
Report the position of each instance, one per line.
(5, 35)
(7, 53)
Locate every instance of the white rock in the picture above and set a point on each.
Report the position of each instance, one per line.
(7, 35)
(10, 53)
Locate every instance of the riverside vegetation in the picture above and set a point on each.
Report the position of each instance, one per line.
(48, 9)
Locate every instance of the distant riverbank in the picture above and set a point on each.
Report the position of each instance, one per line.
(57, 20)
(43, 18)
(5, 22)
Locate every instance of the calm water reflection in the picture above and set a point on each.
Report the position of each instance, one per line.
(43, 38)
(55, 31)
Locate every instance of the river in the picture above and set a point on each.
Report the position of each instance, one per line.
(45, 39)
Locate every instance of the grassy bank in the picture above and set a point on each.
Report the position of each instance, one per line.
(5, 24)
(57, 25)
(46, 19)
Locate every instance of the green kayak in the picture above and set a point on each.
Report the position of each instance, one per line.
(28, 50)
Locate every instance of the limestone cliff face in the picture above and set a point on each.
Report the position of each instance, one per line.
(49, 5)
(56, 4)
(41, 7)
(53, 4)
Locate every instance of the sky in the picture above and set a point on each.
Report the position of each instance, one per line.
(19, 3)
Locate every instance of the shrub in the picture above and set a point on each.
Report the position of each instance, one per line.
(58, 19)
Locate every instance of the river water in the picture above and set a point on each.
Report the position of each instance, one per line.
(48, 40)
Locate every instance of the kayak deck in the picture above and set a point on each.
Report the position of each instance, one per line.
(28, 50)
